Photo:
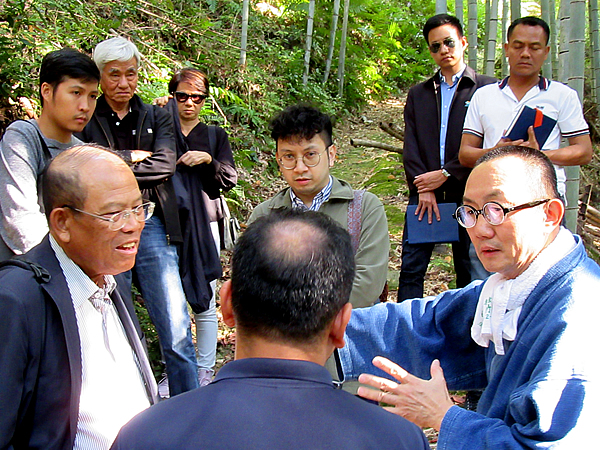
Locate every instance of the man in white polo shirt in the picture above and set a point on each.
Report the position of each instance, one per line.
(493, 107)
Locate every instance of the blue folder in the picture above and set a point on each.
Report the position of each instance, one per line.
(542, 125)
(446, 230)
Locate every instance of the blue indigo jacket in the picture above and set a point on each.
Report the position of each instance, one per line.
(543, 393)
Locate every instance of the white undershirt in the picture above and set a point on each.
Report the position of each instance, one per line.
(112, 388)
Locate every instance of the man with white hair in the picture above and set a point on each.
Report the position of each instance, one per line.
(524, 334)
(143, 136)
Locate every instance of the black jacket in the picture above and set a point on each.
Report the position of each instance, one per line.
(40, 356)
(154, 133)
(422, 117)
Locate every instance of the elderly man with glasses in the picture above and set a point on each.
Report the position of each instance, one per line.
(143, 136)
(72, 364)
(522, 334)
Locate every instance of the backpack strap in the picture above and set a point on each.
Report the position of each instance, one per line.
(355, 218)
(40, 274)
(355, 227)
(212, 139)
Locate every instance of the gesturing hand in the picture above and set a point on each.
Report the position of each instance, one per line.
(424, 403)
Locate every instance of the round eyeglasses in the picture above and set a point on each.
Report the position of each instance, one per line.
(118, 220)
(494, 213)
(182, 97)
(310, 159)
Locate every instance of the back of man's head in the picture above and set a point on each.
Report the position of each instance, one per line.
(66, 63)
(441, 19)
(541, 172)
(115, 49)
(292, 272)
(302, 122)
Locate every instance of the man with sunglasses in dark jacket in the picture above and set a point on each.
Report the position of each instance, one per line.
(433, 117)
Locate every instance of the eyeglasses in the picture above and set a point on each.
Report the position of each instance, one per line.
(493, 212)
(448, 42)
(182, 97)
(310, 159)
(117, 221)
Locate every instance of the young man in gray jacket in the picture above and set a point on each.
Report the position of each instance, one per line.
(68, 91)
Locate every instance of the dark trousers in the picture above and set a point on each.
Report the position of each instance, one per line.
(415, 260)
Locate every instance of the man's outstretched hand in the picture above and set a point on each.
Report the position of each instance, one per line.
(424, 403)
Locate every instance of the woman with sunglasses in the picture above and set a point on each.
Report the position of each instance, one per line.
(205, 167)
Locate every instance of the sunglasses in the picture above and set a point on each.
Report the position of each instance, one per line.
(196, 98)
(448, 42)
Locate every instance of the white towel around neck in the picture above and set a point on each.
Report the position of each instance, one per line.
(501, 300)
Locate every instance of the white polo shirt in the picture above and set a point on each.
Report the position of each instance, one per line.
(493, 107)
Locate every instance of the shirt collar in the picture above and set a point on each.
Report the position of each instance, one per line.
(543, 83)
(80, 285)
(318, 200)
(455, 77)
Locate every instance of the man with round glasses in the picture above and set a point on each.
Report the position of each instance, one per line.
(433, 116)
(73, 367)
(143, 136)
(521, 334)
(305, 153)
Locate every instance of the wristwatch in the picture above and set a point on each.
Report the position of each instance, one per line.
(446, 173)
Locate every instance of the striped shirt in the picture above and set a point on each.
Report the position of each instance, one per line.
(112, 388)
(319, 199)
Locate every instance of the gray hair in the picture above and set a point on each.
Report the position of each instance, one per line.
(115, 49)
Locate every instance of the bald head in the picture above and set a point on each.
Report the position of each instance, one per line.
(522, 181)
(292, 272)
(62, 183)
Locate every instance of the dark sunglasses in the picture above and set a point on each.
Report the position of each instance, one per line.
(448, 42)
(196, 98)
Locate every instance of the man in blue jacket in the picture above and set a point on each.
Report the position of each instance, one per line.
(523, 333)
(288, 297)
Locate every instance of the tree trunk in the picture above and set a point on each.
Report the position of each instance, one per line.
(244, 43)
(342, 59)
(374, 144)
(595, 43)
(576, 64)
(505, 9)
(486, 35)
(472, 37)
(441, 6)
(553, 38)
(546, 12)
(334, 21)
(459, 6)
(515, 9)
(490, 64)
(309, 33)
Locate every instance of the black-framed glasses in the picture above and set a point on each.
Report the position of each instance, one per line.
(182, 97)
(493, 212)
(448, 42)
(310, 159)
(118, 220)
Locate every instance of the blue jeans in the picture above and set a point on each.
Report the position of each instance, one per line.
(157, 270)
